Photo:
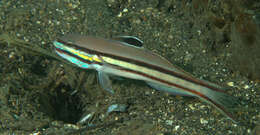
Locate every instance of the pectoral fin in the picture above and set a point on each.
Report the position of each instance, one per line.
(105, 82)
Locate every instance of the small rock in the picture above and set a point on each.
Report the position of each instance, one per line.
(203, 121)
(231, 84)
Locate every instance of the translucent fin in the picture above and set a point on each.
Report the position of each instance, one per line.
(130, 40)
(105, 82)
(171, 90)
(223, 102)
(223, 99)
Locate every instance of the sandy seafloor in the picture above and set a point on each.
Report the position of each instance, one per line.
(40, 95)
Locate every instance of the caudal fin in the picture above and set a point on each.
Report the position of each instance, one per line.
(218, 98)
(222, 101)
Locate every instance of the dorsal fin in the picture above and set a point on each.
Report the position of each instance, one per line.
(129, 40)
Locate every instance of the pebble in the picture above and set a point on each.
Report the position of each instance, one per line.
(177, 127)
(231, 84)
(169, 122)
(203, 121)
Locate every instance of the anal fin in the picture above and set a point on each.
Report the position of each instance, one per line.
(171, 90)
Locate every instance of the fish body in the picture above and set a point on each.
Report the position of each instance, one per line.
(121, 57)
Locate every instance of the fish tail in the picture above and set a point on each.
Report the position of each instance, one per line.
(224, 102)
(213, 95)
